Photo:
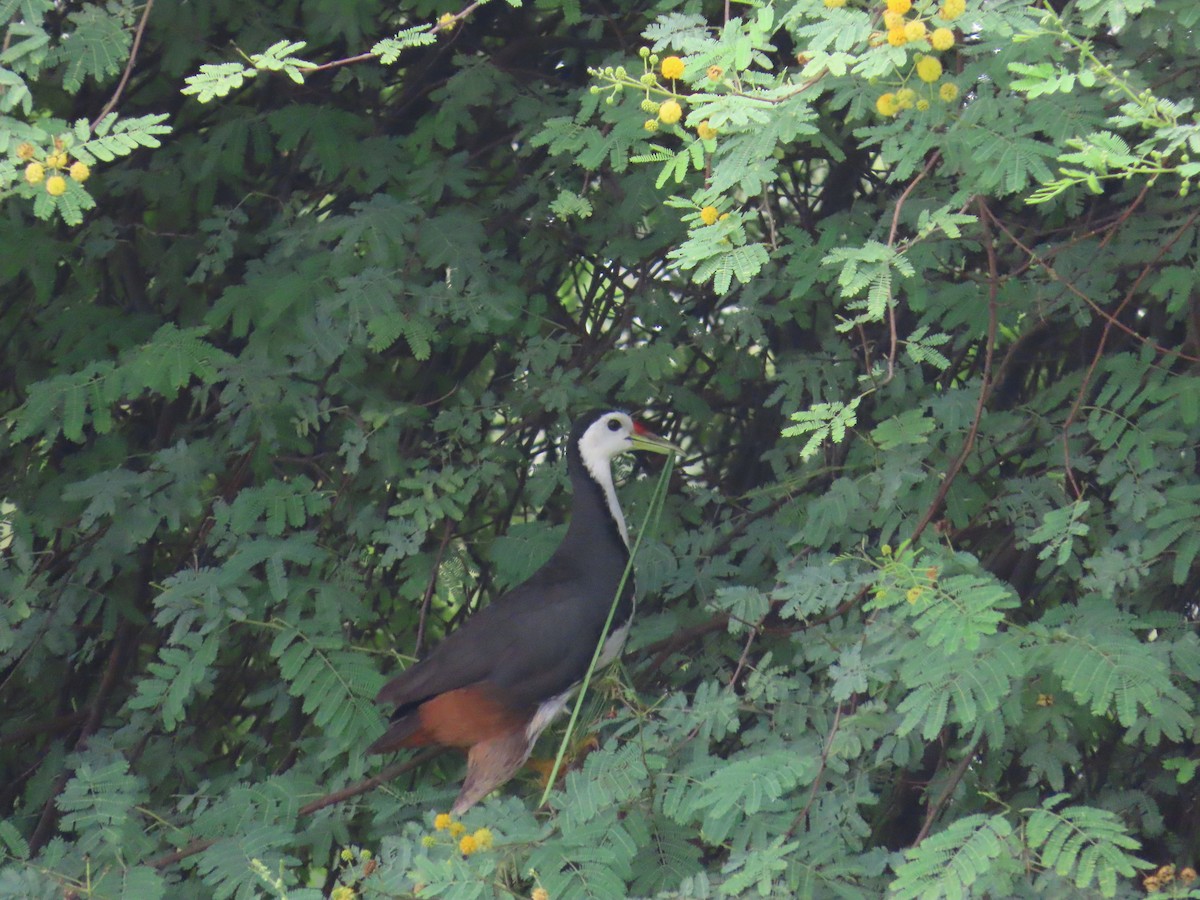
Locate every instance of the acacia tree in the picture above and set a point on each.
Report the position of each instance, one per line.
(299, 297)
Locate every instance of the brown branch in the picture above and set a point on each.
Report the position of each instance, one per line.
(448, 25)
(812, 794)
(893, 338)
(58, 723)
(361, 787)
(108, 680)
(1100, 346)
(1096, 308)
(133, 53)
(431, 586)
(985, 389)
(935, 808)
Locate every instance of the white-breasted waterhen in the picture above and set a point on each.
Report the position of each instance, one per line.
(493, 685)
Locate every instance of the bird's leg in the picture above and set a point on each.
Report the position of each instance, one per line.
(490, 763)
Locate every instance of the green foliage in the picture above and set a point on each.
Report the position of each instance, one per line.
(287, 366)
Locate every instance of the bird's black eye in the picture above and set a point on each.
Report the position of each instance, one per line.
(614, 424)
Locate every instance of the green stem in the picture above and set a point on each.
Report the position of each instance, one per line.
(648, 524)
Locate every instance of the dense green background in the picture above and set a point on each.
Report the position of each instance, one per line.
(285, 406)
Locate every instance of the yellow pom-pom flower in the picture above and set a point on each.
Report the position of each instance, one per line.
(705, 131)
(942, 39)
(442, 821)
(835, 4)
(539, 893)
(428, 841)
(948, 91)
(456, 828)
(897, 37)
(709, 214)
(893, 20)
(672, 67)
(651, 125)
(914, 30)
(35, 173)
(929, 69)
(952, 9)
(715, 73)
(922, 105)
(467, 845)
(899, 6)
(342, 892)
(670, 112)
(484, 838)
(25, 151)
(56, 185)
(914, 594)
(887, 104)
(447, 21)
(906, 97)
(79, 171)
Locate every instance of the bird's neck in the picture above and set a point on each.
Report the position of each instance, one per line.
(596, 518)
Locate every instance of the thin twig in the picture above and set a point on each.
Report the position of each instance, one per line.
(367, 784)
(741, 663)
(431, 586)
(1091, 369)
(133, 53)
(1096, 308)
(893, 338)
(935, 808)
(812, 794)
(985, 389)
(448, 25)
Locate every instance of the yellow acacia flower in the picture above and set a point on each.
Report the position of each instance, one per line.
(906, 97)
(715, 73)
(35, 173)
(942, 39)
(893, 20)
(709, 214)
(705, 131)
(952, 9)
(467, 845)
(672, 67)
(929, 69)
(899, 6)
(447, 21)
(948, 91)
(442, 821)
(914, 30)
(922, 105)
(670, 112)
(79, 171)
(651, 125)
(484, 838)
(457, 828)
(539, 893)
(342, 892)
(25, 151)
(887, 104)
(428, 841)
(835, 4)
(56, 185)
(897, 37)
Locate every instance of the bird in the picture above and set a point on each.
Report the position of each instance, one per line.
(493, 685)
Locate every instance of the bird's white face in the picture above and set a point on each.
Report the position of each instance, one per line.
(609, 435)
